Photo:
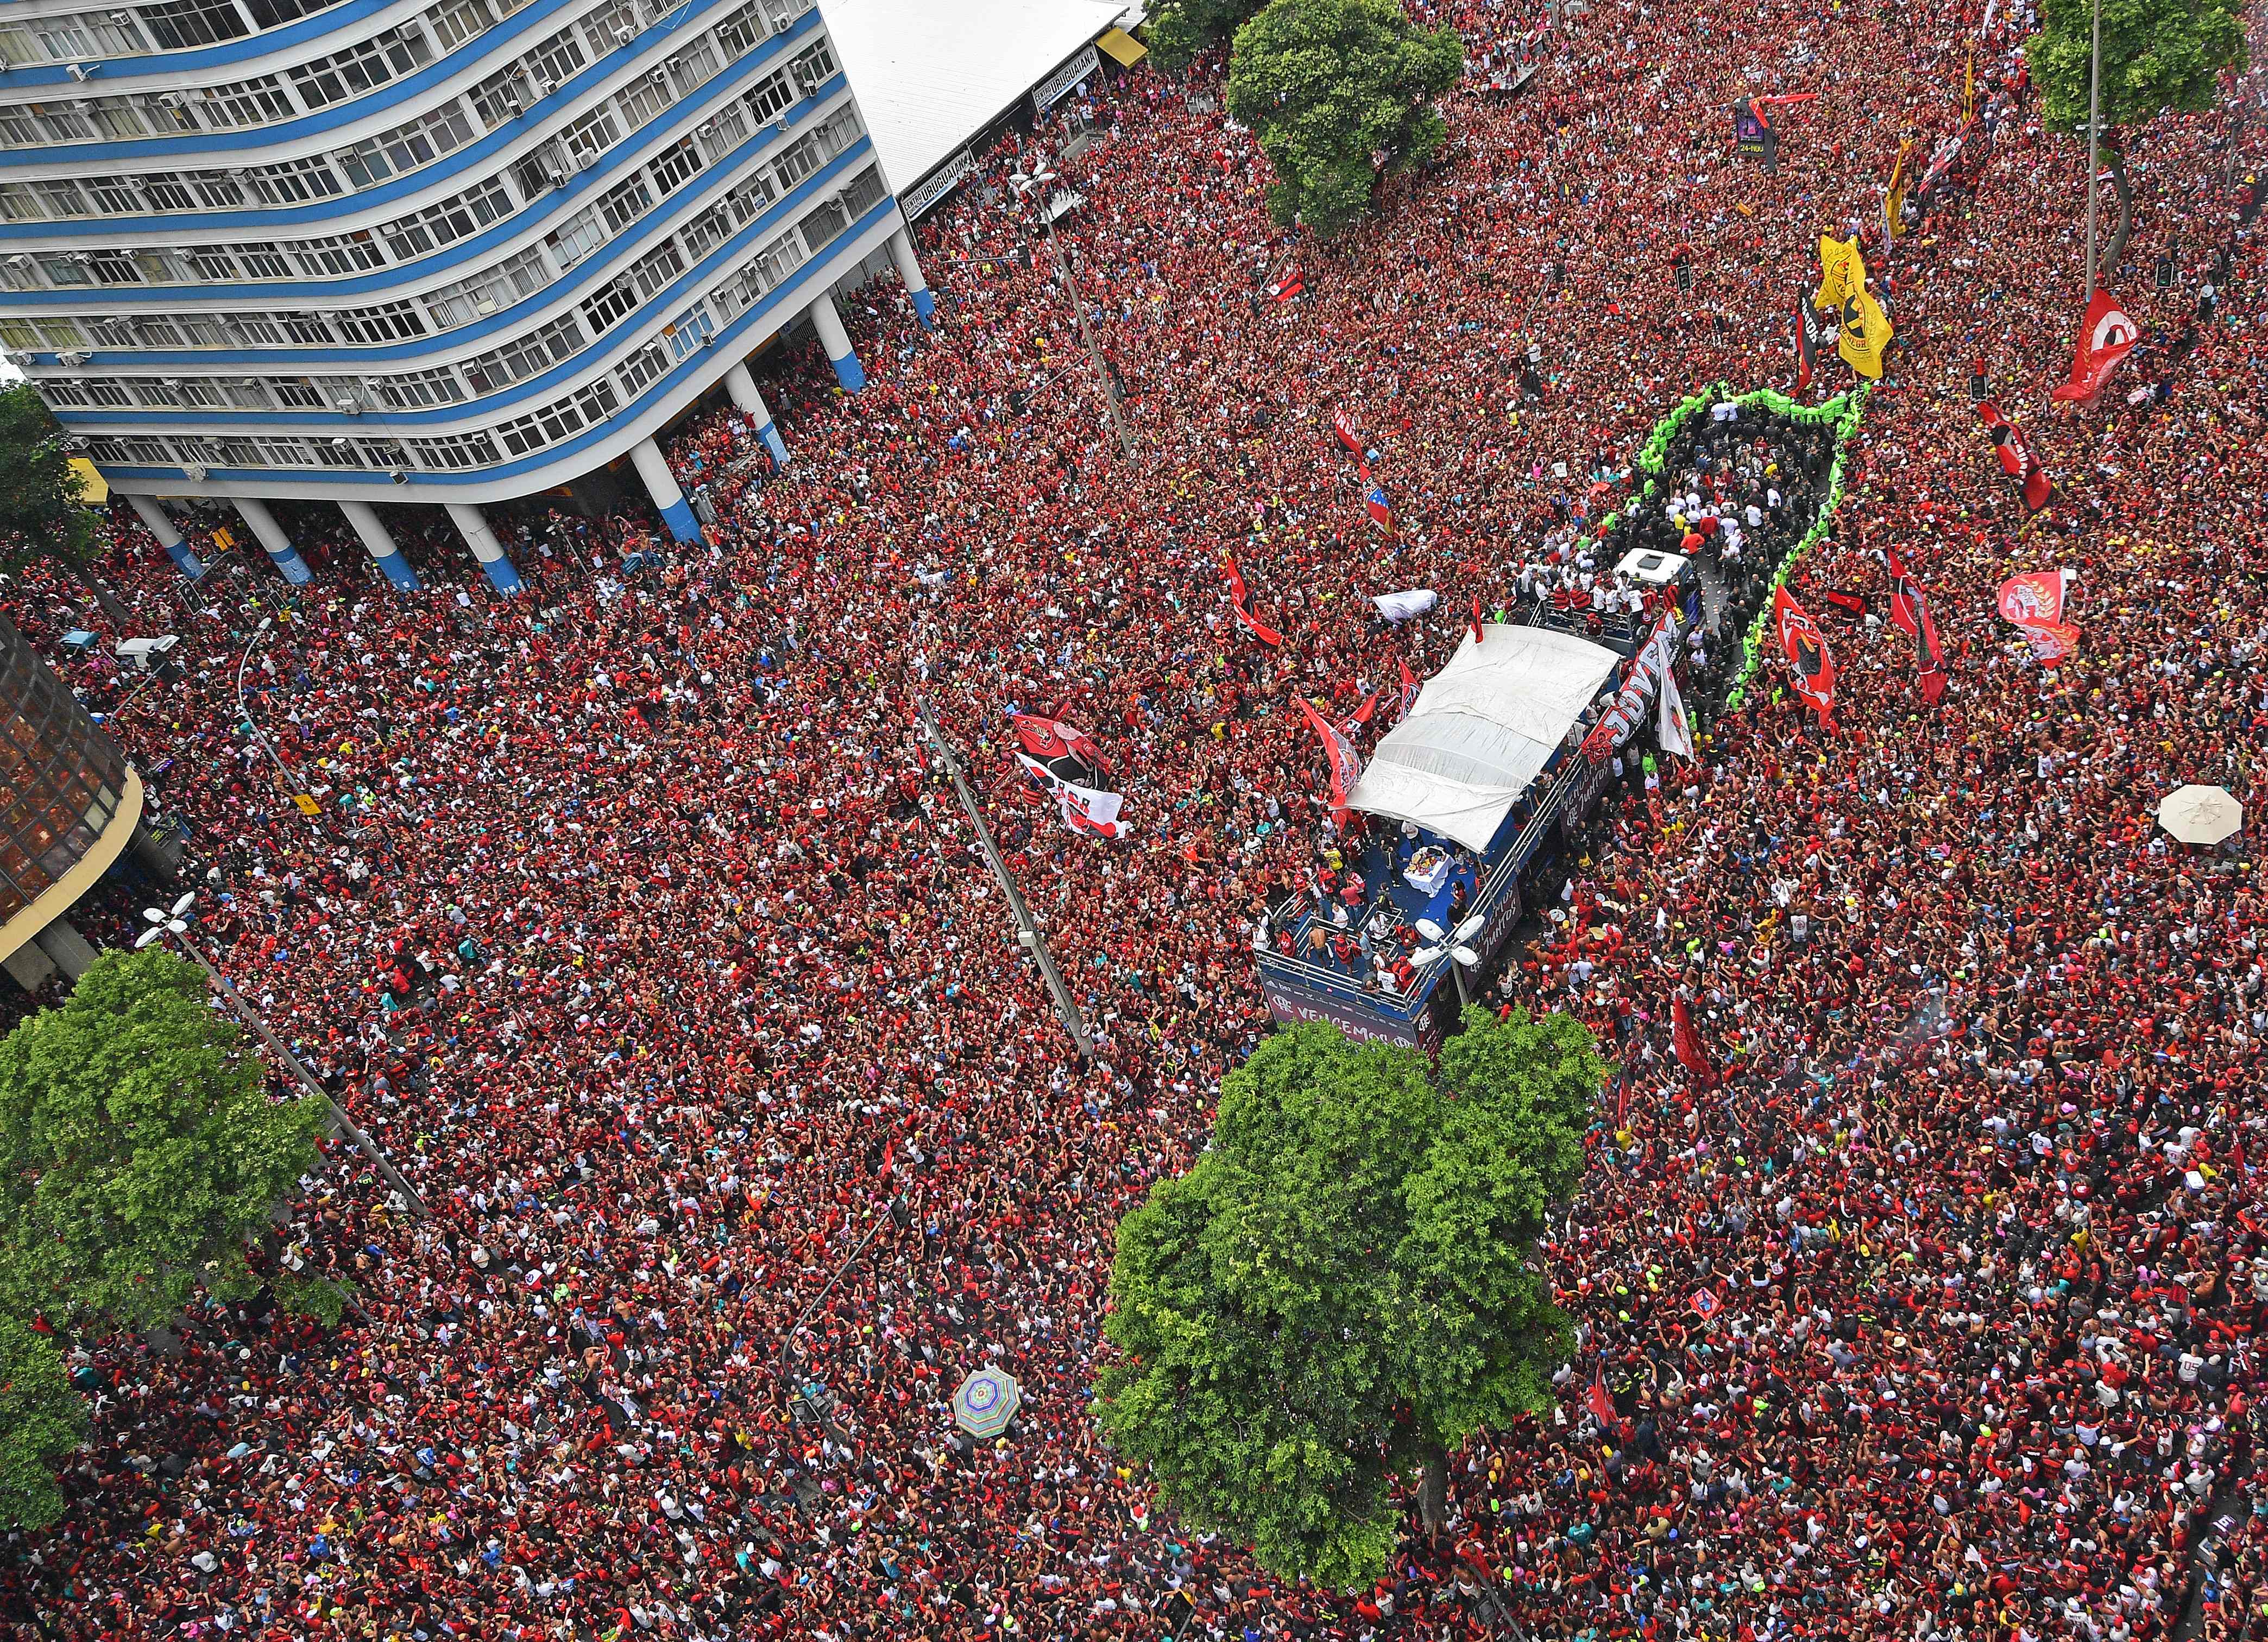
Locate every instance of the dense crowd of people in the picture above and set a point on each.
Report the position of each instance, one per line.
(1924, 1278)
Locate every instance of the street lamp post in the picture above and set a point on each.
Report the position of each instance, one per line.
(893, 1208)
(175, 923)
(244, 713)
(1026, 185)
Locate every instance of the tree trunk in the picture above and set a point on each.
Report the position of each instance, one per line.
(2114, 249)
(1433, 1489)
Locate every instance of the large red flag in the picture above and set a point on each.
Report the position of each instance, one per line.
(2106, 336)
(1811, 667)
(1345, 762)
(1600, 1403)
(2017, 458)
(1910, 611)
(1686, 1041)
(1409, 691)
(1803, 357)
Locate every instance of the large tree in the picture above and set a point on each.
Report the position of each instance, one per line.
(43, 513)
(2159, 56)
(142, 1158)
(1177, 30)
(1343, 1289)
(41, 1421)
(1339, 92)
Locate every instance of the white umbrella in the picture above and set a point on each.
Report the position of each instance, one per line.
(2196, 814)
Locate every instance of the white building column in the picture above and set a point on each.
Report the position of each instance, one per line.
(909, 270)
(485, 547)
(661, 484)
(168, 533)
(742, 387)
(384, 552)
(836, 340)
(281, 553)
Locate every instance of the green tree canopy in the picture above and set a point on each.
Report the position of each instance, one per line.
(1177, 30)
(1335, 90)
(2159, 56)
(41, 1421)
(1340, 1291)
(140, 1152)
(41, 514)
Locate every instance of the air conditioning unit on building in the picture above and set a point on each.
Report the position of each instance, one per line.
(74, 355)
(781, 24)
(78, 71)
(625, 34)
(399, 475)
(347, 407)
(193, 472)
(559, 178)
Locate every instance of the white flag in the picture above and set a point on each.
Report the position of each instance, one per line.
(1670, 728)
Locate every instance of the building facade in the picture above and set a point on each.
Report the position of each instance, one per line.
(68, 804)
(363, 251)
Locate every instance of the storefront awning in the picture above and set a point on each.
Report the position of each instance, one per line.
(93, 488)
(1122, 47)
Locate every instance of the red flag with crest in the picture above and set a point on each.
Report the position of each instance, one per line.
(1909, 612)
(2106, 336)
(1809, 662)
(1685, 1039)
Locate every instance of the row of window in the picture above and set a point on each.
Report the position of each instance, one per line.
(434, 226)
(529, 356)
(137, 30)
(272, 99)
(462, 301)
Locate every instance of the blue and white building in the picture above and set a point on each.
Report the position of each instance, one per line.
(403, 250)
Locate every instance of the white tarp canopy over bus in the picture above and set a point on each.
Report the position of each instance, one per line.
(1481, 729)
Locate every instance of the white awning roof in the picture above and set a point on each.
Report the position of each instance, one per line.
(928, 78)
(1483, 728)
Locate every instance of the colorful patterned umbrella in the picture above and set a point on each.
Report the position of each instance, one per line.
(986, 1402)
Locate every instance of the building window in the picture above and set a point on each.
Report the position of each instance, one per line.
(642, 368)
(294, 182)
(610, 26)
(19, 204)
(114, 196)
(576, 238)
(525, 356)
(554, 62)
(302, 327)
(813, 67)
(155, 330)
(644, 99)
(392, 322)
(364, 67)
(458, 21)
(677, 165)
(694, 67)
(499, 99)
(688, 331)
(338, 254)
(420, 390)
(743, 32)
(152, 391)
(113, 268)
(62, 197)
(448, 222)
(296, 392)
(457, 451)
(864, 193)
(584, 408)
(286, 453)
(418, 142)
(708, 230)
(752, 198)
(116, 116)
(614, 301)
(67, 123)
(99, 391)
(657, 267)
(624, 203)
(772, 99)
(262, 101)
(485, 292)
(275, 13)
(591, 136)
(177, 24)
(247, 392)
(260, 329)
(780, 259)
(217, 190)
(166, 192)
(263, 260)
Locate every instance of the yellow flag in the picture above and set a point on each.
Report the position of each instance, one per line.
(1968, 87)
(1866, 333)
(1893, 201)
(1841, 271)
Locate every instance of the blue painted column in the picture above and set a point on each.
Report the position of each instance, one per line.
(486, 548)
(661, 484)
(909, 270)
(281, 553)
(836, 340)
(169, 535)
(384, 551)
(742, 387)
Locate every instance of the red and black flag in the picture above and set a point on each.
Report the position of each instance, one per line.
(1288, 282)
(1338, 750)
(1685, 1039)
(1811, 667)
(1803, 355)
(1910, 613)
(2017, 460)
(1240, 601)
